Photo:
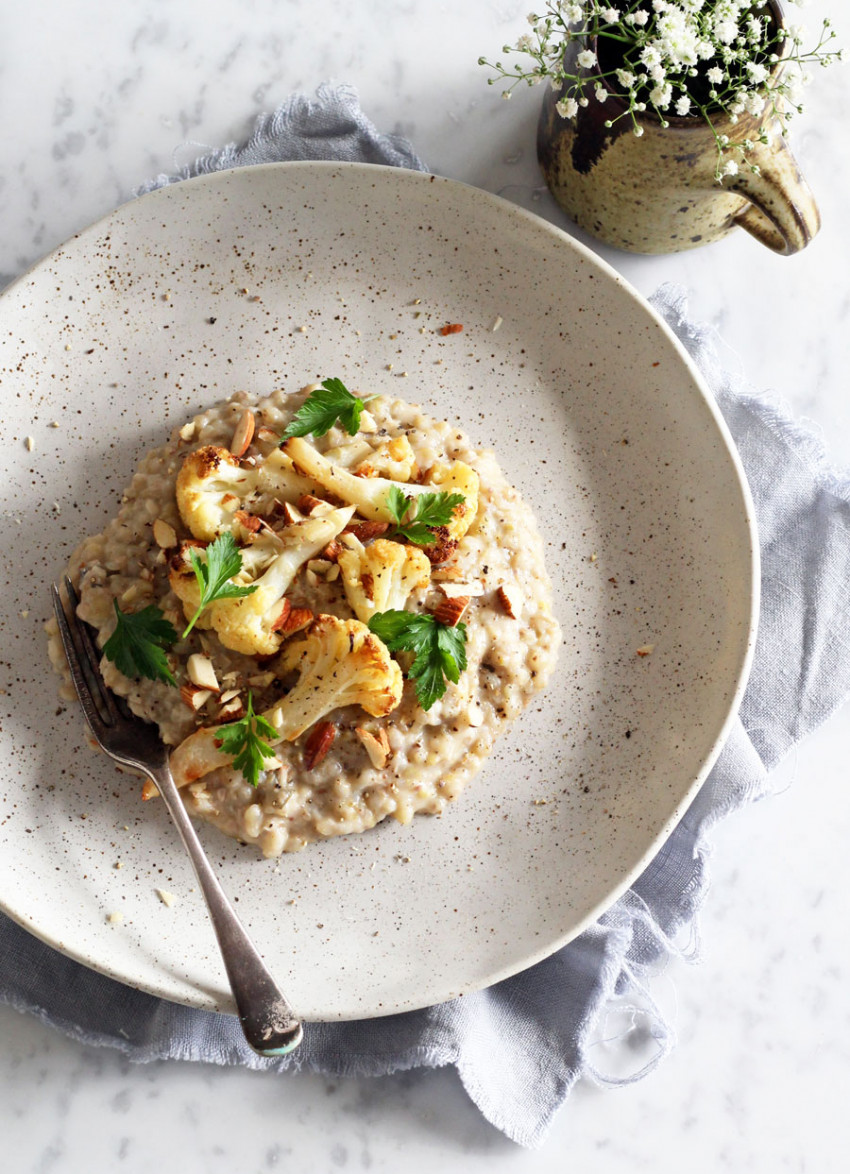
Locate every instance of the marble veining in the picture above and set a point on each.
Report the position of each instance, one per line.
(101, 97)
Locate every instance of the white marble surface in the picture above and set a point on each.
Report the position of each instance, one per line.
(96, 98)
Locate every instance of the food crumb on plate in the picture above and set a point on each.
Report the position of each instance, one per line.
(115, 918)
(167, 898)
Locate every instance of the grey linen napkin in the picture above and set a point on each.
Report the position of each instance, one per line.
(520, 1046)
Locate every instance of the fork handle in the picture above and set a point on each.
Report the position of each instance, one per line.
(271, 1027)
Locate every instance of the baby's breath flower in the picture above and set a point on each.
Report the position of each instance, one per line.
(567, 107)
(702, 58)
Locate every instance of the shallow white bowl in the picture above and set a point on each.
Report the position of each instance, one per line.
(596, 414)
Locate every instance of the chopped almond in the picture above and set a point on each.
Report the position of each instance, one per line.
(451, 328)
(318, 743)
(229, 695)
(149, 790)
(377, 748)
(645, 650)
(164, 534)
(232, 710)
(510, 599)
(249, 522)
(200, 671)
(366, 531)
(475, 715)
(332, 551)
(267, 435)
(454, 590)
(243, 434)
(308, 503)
(319, 566)
(187, 431)
(449, 610)
(194, 696)
(285, 609)
(261, 680)
(288, 511)
(298, 618)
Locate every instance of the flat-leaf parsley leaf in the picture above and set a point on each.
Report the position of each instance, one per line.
(222, 562)
(323, 407)
(432, 511)
(136, 647)
(439, 651)
(244, 739)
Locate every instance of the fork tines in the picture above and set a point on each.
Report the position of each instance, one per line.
(84, 662)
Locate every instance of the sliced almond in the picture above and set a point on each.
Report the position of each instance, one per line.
(243, 434)
(193, 696)
(267, 435)
(378, 753)
(229, 695)
(318, 743)
(510, 599)
(261, 680)
(200, 671)
(164, 534)
(449, 610)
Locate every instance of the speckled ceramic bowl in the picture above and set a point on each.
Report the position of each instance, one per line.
(598, 418)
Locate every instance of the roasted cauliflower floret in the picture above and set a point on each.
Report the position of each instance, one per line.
(370, 494)
(381, 577)
(270, 563)
(394, 459)
(212, 485)
(341, 663)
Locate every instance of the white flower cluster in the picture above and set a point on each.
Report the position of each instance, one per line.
(671, 58)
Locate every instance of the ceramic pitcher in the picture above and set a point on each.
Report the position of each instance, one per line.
(658, 193)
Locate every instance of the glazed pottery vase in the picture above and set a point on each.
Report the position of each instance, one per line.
(658, 193)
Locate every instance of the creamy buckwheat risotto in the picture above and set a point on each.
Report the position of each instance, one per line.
(377, 594)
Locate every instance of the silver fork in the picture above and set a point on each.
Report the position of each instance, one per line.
(269, 1023)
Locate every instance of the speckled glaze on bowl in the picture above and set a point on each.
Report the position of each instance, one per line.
(599, 419)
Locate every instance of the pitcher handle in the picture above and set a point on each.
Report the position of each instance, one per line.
(782, 212)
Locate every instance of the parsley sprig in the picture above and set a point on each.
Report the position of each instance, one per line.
(137, 645)
(223, 561)
(432, 511)
(325, 406)
(244, 740)
(439, 651)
